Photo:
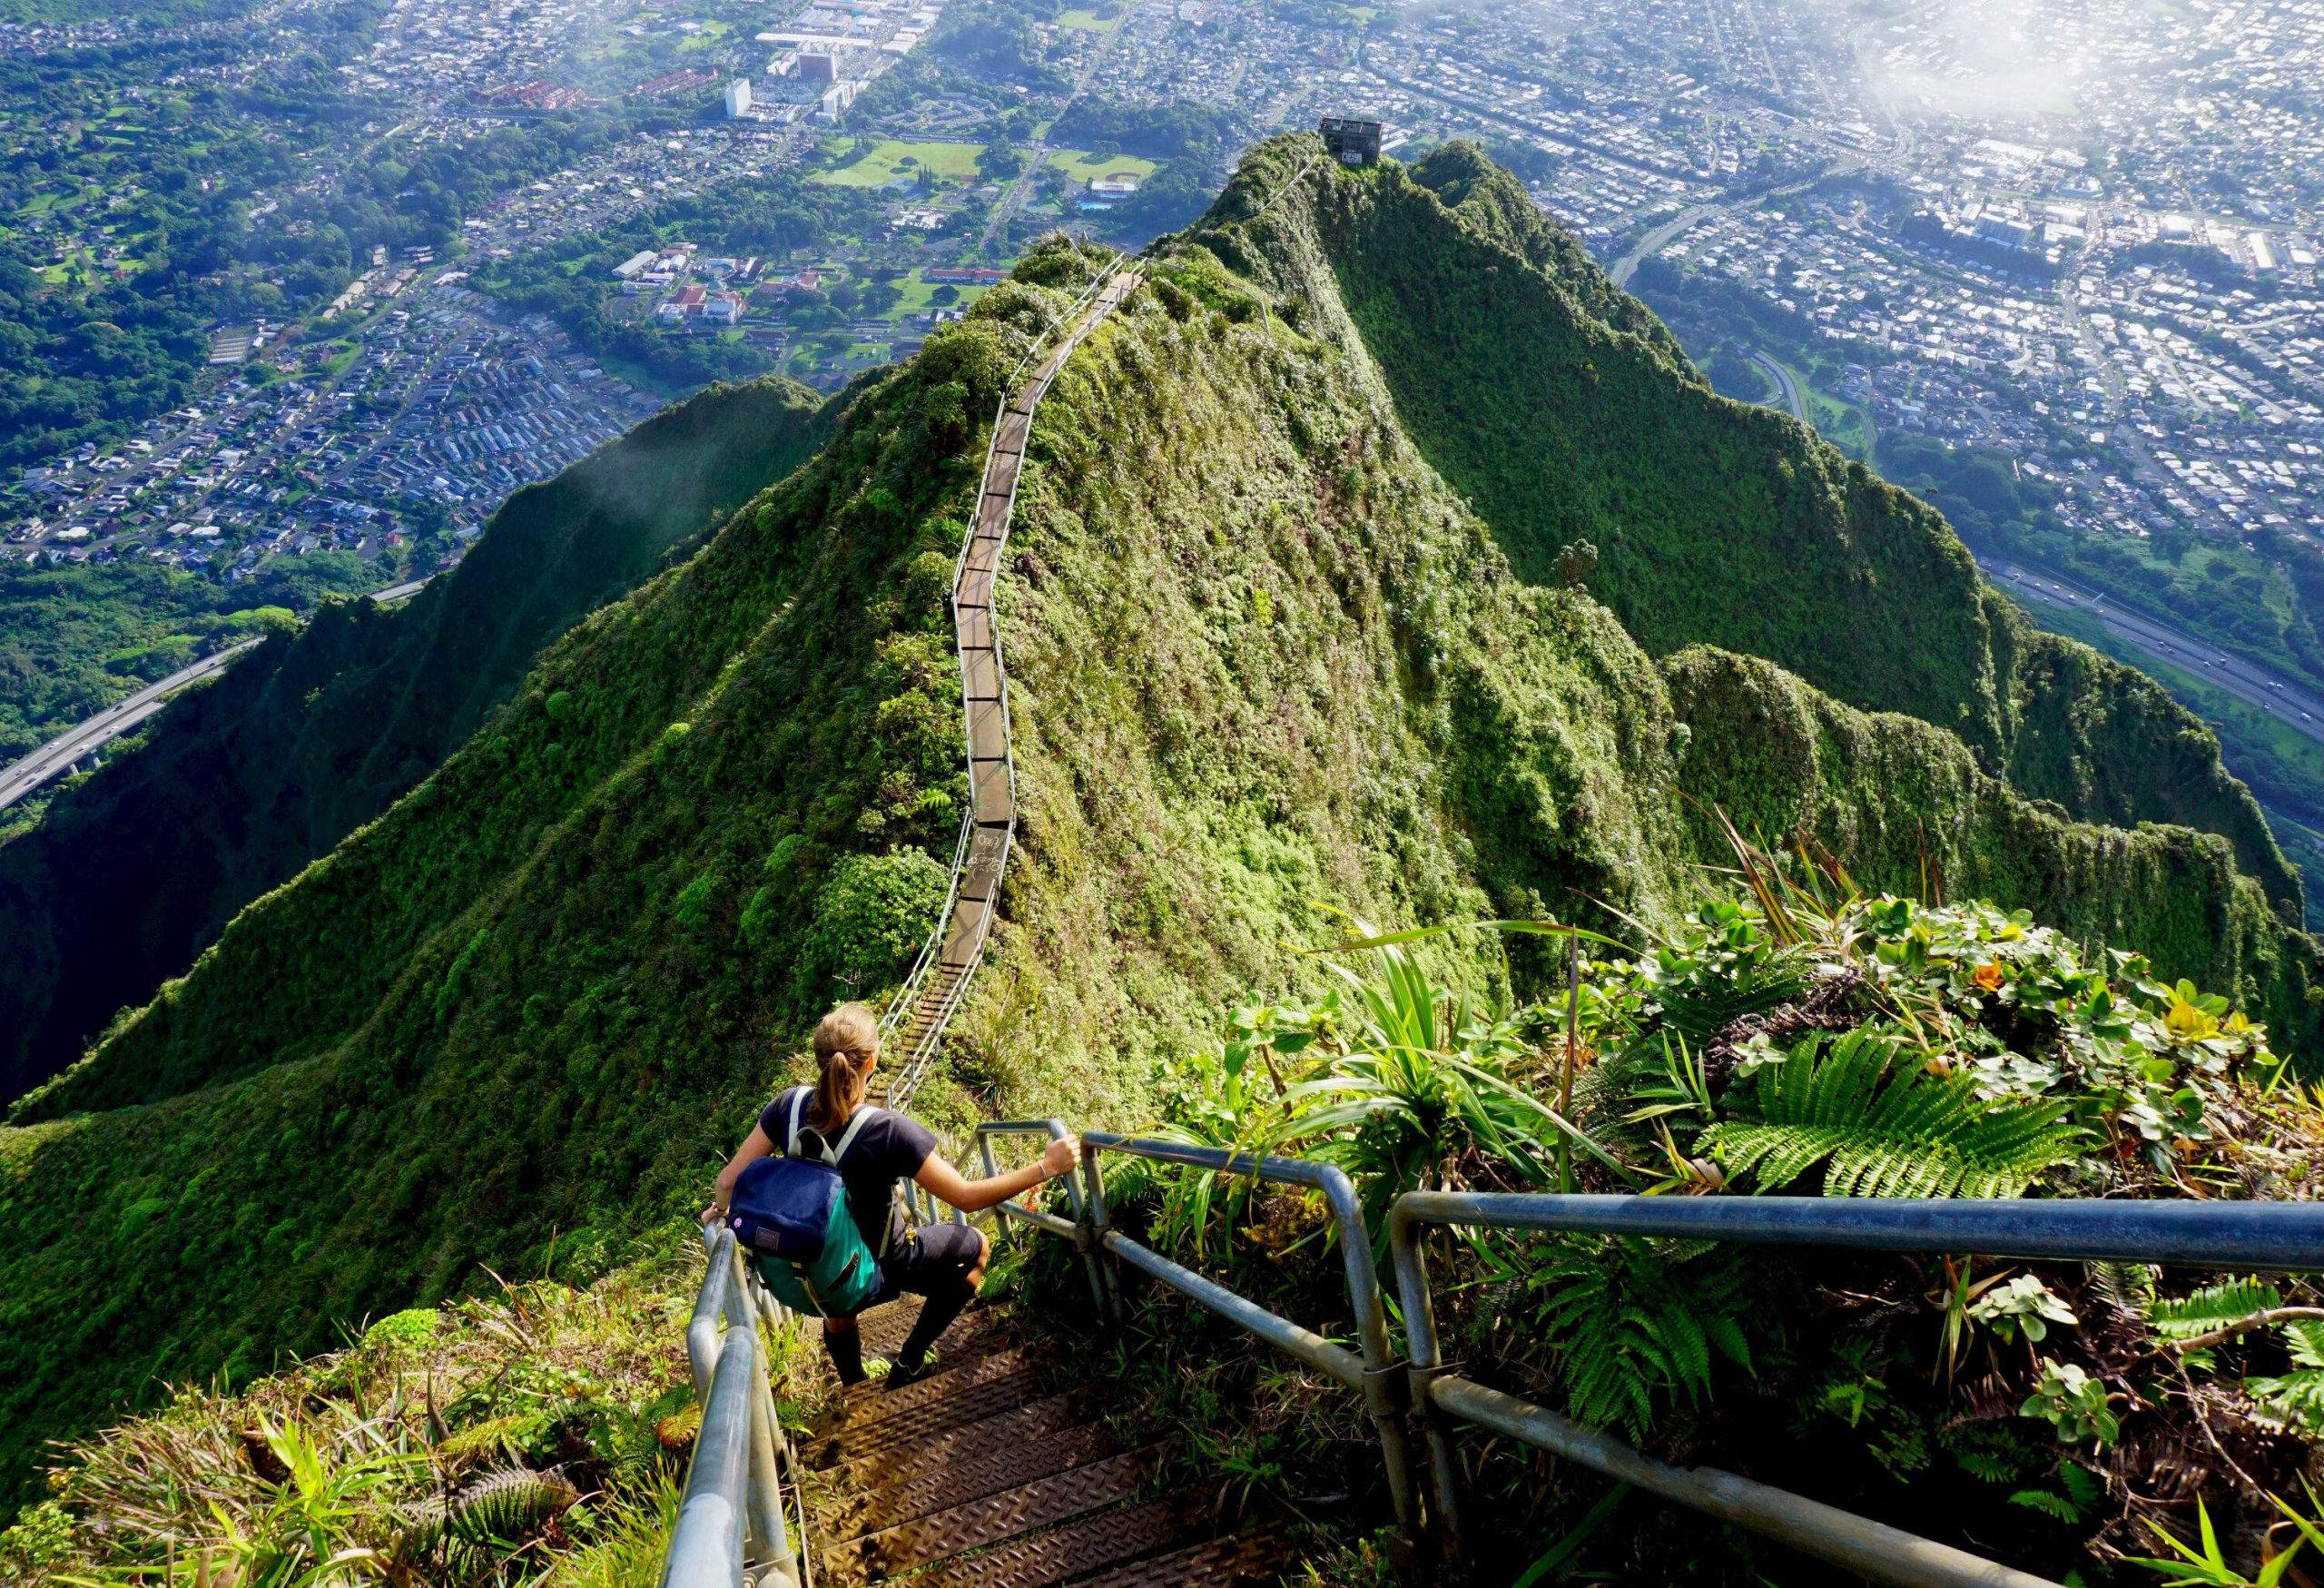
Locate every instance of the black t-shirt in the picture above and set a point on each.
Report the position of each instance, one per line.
(890, 1148)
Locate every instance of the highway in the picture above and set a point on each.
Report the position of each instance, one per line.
(1794, 400)
(1661, 238)
(107, 725)
(94, 733)
(2297, 709)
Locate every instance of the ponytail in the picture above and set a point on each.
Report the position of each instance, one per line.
(846, 1042)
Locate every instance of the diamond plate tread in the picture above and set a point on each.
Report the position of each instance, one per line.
(949, 1379)
(956, 1481)
(1009, 1515)
(935, 1455)
(914, 1426)
(1083, 1545)
(884, 1329)
(1245, 1558)
(972, 1404)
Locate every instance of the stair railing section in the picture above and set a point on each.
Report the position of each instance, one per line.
(1370, 1370)
(2241, 1236)
(731, 1531)
(1075, 1229)
(956, 945)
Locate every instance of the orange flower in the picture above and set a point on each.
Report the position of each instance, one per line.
(1988, 976)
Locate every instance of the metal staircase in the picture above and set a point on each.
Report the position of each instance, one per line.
(1003, 1471)
(911, 1030)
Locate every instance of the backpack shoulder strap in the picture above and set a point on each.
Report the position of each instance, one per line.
(798, 1104)
(863, 1116)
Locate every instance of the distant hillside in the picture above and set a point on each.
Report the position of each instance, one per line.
(133, 871)
(1266, 655)
(1564, 411)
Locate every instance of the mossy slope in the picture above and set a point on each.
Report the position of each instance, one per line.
(133, 871)
(1565, 411)
(1262, 656)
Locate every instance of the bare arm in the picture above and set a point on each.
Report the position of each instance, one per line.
(756, 1147)
(949, 1186)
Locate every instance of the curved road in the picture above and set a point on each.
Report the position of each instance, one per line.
(93, 734)
(1786, 383)
(1661, 238)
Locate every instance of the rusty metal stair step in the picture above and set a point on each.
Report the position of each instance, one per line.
(950, 1378)
(972, 1404)
(939, 1453)
(1084, 1544)
(911, 1428)
(1237, 1561)
(1012, 1514)
(957, 1481)
(884, 1327)
(978, 1329)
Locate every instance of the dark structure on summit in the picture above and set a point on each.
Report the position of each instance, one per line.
(1351, 142)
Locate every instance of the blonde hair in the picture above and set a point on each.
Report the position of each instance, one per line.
(846, 1042)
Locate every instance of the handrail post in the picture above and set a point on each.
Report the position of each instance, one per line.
(1369, 1371)
(1109, 1272)
(1425, 1359)
(1083, 1242)
(1381, 1397)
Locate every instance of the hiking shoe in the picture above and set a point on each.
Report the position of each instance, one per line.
(898, 1374)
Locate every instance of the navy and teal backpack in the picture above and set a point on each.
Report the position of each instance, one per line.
(790, 1212)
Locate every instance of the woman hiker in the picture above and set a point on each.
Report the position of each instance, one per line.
(942, 1263)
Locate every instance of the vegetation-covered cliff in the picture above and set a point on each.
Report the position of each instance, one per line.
(1264, 653)
(132, 872)
(1564, 411)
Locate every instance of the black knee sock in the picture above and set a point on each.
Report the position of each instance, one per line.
(845, 1347)
(937, 1312)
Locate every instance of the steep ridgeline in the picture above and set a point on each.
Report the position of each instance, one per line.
(1564, 411)
(133, 871)
(1262, 655)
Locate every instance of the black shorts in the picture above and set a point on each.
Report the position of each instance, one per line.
(930, 1261)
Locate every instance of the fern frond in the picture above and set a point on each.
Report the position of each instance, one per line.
(1631, 1323)
(2295, 1400)
(498, 1437)
(2212, 1308)
(1883, 1129)
(505, 1505)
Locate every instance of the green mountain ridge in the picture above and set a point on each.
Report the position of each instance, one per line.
(1723, 523)
(132, 872)
(1264, 653)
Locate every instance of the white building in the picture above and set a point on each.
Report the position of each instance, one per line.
(738, 97)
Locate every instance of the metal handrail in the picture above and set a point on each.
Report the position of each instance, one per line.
(1370, 1373)
(731, 1512)
(1075, 1230)
(2241, 1235)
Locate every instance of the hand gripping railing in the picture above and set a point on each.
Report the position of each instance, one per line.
(2240, 1235)
(731, 1520)
(1078, 1228)
(1370, 1372)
